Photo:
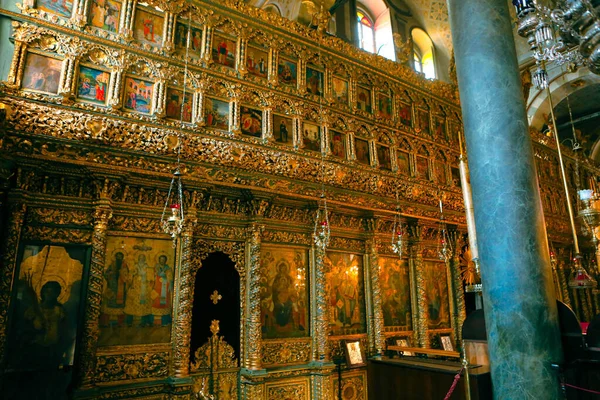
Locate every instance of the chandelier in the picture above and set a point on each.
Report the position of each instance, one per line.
(580, 278)
(398, 241)
(567, 34)
(589, 213)
(398, 234)
(172, 221)
(444, 246)
(322, 231)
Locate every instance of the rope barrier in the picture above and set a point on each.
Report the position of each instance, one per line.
(579, 388)
(456, 379)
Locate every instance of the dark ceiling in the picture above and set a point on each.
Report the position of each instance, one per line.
(585, 106)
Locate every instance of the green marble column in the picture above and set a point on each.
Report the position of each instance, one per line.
(520, 310)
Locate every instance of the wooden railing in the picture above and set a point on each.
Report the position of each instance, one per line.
(431, 352)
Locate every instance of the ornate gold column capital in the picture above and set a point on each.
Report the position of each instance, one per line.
(415, 231)
(254, 231)
(102, 216)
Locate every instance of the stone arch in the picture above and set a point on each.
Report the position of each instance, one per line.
(560, 87)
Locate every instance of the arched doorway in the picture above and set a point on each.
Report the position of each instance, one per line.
(216, 297)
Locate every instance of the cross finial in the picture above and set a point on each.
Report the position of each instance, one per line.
(215, 297)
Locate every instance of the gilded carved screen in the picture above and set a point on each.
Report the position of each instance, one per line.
(283, 292)
(436, 289)
(138, 291)
(345, 293)
(395, 293)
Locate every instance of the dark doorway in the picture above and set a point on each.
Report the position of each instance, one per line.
(218, 274)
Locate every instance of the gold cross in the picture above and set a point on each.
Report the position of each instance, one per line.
(215, 297)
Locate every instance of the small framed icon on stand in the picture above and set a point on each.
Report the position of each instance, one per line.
(447, 343)
(355, 354)
(404, 342)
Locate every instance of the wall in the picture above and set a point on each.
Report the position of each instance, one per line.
(97, 115)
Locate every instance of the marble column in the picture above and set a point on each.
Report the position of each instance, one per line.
(520, 310)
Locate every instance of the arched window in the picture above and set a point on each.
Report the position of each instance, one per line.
(423, 56)
(374, 27)
(366, 32)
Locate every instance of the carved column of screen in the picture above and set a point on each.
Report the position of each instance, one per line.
(268, 124)
(79, 12)
(459, 312)
(242, 45)
(160, 97)
(206, 53)
(419, 295)
(325, 145)
(253, 326)
(198, 107)
(377, 337)
(234, 114)
(562, 278)
(169, 32)
(588, 294)
(351, 150)
(183, 300)
(17, 63)
(9, 248)
(586, 313)
(274, 64)
(302, 74)
(89, 338)
(114, 88)
(320, 319)
(585, 298)
(67, 75)
(6, 172)
(576, 307)
(297, 132)
(126, 23)
(555, 277)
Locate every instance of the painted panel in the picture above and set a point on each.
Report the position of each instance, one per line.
(395, 293)
(345, 293)
(41, 73)
(138, 289)
(436, 290)
(284, 295)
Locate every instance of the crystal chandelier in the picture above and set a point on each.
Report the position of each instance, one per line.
(444, 246)
(566, 34)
